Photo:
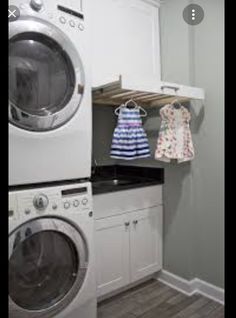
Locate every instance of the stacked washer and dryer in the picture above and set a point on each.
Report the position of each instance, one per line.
(51, 226)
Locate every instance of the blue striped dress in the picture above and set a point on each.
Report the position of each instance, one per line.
(129, 139)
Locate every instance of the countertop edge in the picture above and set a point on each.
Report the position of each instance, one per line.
(128, 187)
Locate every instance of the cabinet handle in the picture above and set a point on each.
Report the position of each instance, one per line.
(127, 224)
(176, 88)
(135, 222)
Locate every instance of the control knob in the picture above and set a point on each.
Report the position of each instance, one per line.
(66, 205)
(40, 201)
(36, 4)
(76, 203)
(84, 201)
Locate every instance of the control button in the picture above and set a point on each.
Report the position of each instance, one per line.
(40, 201)
(90, 214)
(10, 213)
(27, 211)
(66, 205)
(36, 4)
(54, 206)
(81, 26)
(76, 203)
(62, 20)
(84, 201)
(72, 23)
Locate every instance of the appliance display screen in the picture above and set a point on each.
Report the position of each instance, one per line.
(74, 191)
(72, 12)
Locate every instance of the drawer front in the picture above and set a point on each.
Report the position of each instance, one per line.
(119, 202)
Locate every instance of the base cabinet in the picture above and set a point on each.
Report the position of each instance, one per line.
(128, 248)
(145, 242)
(112, 253)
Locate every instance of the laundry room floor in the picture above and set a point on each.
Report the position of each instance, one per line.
(153, 299)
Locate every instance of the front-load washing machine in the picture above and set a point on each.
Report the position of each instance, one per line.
(51, 252)
(49, 92)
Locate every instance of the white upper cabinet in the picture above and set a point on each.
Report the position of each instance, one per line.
(125, 55)
(124, 39)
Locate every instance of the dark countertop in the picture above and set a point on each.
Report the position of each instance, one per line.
(118, 177)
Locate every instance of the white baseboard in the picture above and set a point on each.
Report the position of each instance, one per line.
(190, 287)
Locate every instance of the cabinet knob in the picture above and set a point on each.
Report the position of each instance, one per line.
(135, 222)
(127, 223)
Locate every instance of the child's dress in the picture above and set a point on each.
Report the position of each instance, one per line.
(129, 139)
(174, 140)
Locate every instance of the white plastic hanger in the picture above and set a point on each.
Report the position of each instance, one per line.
(131, 101)
(118, 108)
(174, 102)
(135, 106)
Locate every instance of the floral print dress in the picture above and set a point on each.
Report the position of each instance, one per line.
(174, 140)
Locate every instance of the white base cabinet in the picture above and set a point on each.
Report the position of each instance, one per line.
(128, 248)
(145, 242)
(112, 253)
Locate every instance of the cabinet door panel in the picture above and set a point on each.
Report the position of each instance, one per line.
(126, 41)
(112, 254)
(146, 242)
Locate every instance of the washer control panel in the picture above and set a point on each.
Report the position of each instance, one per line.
(75, 198)
(60, 200)
(71, 17)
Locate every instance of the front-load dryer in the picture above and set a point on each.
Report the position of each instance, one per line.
(51, 252)
(49, 92)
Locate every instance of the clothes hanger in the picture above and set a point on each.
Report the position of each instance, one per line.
(118, 108)
(175, 102)
(125, 105)
(131, 101)
(136, 106)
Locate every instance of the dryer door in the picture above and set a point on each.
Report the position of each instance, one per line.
(46, 76)
(48, 260)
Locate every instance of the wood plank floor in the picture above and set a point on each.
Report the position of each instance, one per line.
(153, 299)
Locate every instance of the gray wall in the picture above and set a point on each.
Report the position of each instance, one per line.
(104, 122)
(193, 191)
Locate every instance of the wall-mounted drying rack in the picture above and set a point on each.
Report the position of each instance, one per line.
(146, 92)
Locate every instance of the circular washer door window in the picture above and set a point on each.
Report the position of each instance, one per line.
(47, 267)
(46, 79)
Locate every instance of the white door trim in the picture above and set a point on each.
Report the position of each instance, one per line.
(190, 287)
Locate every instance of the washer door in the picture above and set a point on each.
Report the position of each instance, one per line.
(46, 76)
(48, 260)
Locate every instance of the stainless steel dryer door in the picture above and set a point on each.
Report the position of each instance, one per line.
(48, 259)
(46, 76)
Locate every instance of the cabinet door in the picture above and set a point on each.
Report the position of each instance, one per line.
(146, 242)
(124, 39)
(112, 253)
